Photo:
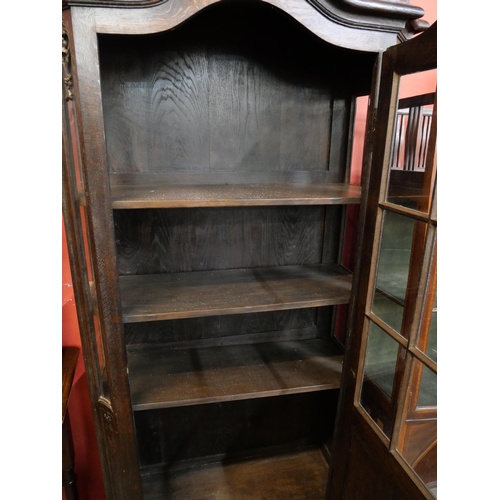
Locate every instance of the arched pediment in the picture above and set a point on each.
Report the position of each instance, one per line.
(369, 25)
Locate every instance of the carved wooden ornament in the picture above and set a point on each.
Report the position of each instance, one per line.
(66, 64)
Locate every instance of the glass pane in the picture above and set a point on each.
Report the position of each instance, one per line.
(389, 311)
(379, 371)
(409, 183)
(86, 239)
(418, 437)
(394, 261)
(427, 340)
(427, 392)
(431, 348)
(434, 208)
(380, 360)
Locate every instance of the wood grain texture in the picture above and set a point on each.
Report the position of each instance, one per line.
(244, 114)
(210, 293)
(178, 240)
(300, 475)
(161, 377)
(202, 98)
(155, 101)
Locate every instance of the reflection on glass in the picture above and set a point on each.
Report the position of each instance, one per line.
(394, 259)
(427, 341)
(418, 438)
(408, 185)
(427, 393)
(98, 343)
(388, 310)
(380, 360)
(86, 239)
(379, 370)
(99, 351)
(434, 211)
(431, 348)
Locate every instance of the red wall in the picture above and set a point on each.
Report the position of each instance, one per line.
(87, 466)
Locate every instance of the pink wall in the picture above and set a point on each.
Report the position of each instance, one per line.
(87, 466)
(419, 83)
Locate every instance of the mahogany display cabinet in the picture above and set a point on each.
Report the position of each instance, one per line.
(206, 172)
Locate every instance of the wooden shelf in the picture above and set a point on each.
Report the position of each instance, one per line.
(226, 195)
(301, 475)
(229, 189)
(156, 297)
(161, 377)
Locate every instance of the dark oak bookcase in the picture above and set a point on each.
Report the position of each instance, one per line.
(206, 180)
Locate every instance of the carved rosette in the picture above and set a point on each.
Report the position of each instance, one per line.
(66, 64)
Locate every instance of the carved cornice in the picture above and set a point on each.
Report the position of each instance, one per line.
(386, 8)
(116, 3)
(367, 25)
(371, 14)
(66, 64)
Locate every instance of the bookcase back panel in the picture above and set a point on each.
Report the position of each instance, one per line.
(234, 427)
(232, 329)
(177, 240)
(230, 91)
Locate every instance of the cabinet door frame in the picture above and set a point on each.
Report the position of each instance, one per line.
(357, 435)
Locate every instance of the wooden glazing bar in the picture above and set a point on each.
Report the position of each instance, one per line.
(401, 210)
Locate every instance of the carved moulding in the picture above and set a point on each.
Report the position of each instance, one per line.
(107, 415)
(388, 15)
(371, 14)
(365, 25)
(66, 64)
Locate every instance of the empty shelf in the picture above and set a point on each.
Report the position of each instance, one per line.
(301, 475)
(156, 297)
(232, 195)
(161, 377)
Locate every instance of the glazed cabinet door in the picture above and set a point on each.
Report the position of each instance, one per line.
(91, 246)
(386, 439)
